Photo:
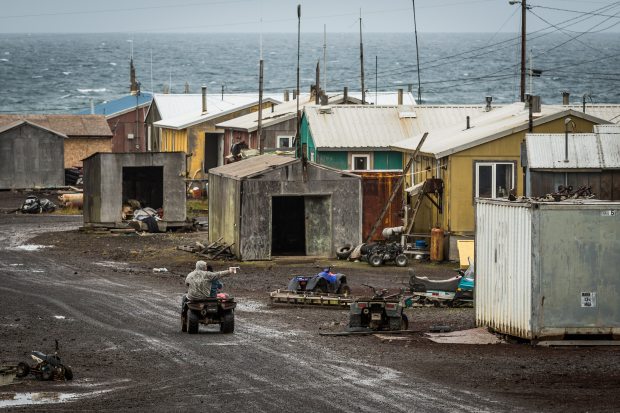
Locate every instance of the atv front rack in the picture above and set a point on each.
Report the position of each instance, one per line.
(286, 297)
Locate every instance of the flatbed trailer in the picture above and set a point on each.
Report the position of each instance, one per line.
(286, 297)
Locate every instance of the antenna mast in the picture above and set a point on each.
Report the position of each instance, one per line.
(297, 92)
(362, 61)
(325, 56)
(417, 53)
(259, 130)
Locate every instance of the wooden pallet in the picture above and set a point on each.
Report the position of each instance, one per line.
(286, 297)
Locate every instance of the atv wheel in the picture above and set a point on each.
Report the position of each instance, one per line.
(375, 260)
(404, 322)
(355, 320)
(184, 322)
(345, 290)
(321, 287)
(46, 373)
(192, 322)
(401, 260)
(22, 370)
(227, 326)
(68, 373)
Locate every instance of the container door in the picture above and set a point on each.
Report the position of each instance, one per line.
(318, 225)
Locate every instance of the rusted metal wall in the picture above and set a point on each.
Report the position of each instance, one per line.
(376, 190)
(605, 184)
(125, 124)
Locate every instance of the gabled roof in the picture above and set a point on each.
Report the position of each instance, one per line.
(18, 123)
(485, 128)
(183, 111)
(251, 166)
(598, 150)
(122, 105)
(378, 127)
(609, 112)
(73, 126)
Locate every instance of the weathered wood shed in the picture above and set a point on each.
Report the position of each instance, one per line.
(274, 205)
(155, 179)
(30, 156)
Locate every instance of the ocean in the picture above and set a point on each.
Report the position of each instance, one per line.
(61, 73)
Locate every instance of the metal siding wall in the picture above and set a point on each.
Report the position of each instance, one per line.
(386, 160)
(338, 160)
(376, 190)
(503, 294)
(223, 210)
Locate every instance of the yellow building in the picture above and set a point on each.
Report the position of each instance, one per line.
(481, 157)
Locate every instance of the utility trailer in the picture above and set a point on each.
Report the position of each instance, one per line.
(286, 297)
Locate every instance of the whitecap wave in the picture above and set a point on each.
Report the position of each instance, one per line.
(66, 73)
(99, 90)
(4, 60)
(65, 96)
(37, 77)
(112, 64)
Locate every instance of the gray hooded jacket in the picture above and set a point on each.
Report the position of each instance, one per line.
(199, 281)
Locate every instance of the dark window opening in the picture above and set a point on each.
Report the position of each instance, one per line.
(288, 226)
(211, 150)
(145, 184)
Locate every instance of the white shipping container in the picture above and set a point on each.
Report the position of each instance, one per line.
(545, 270)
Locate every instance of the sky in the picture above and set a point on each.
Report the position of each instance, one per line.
(280, 16)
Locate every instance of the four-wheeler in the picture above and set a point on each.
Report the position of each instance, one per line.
(324, 282)
(379, 312)
(455, 291)
(213, 310)
(381, 253)
(47, 367)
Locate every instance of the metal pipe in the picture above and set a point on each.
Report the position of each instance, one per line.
(567, 122)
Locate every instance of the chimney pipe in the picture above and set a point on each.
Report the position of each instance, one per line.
(400, 96)
(467, 123)
(565, 98)
(345, 95)
(204, 99)
(488, 99)
(324, 99)
(92, 106)
(409, 88)
(294, 94)
(286, 95)
(567, 122)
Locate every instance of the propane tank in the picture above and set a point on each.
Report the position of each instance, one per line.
(437, 244)
(388, 233)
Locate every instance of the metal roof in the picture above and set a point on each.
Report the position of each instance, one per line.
(610, 113)
(598, 150)
(119, 106)
(485, 128)
(182, 111)
(15, 124)
(73, 126)
(375, 127)
(252, 166)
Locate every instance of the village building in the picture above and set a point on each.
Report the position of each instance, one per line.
(271, 205)
(113, 181)
(480, 158)
(186, 122)
(31, 156)
(576, 160)
(85, 134)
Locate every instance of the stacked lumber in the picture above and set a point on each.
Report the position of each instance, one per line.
(215, 250)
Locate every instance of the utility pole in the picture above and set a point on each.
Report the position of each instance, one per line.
(524, 8)
(137, 138)
(259, 130)
(376, 79)
(417, 53)
(325, 57)
(297, 94)
(362, 61)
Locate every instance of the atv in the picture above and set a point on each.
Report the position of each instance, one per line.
(213, 310)
(325, 282)
(381, 253)
(379, 312)
(47, 367)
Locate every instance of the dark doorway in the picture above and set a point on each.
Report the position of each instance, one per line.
(211, 150)
(288, 226)
(144, 184)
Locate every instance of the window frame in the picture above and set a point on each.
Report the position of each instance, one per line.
(493, 164)
(361, 155)
(290, 141)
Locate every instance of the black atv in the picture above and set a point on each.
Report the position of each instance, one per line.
(214, 310)
(379, 312)
(381, 253)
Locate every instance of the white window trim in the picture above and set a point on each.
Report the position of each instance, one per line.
(368, 165)
(290, 141)
(493, 176)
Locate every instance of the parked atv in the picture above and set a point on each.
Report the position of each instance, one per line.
(379, 312)
(381, 253)
(47, 367)
(324, 282)
(455, 291)
(213, 310)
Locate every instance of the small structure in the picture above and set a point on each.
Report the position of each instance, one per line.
(86, 134)
(548, 270)
(154, 179)
(30, 156)
(574, 160)
(272, 205)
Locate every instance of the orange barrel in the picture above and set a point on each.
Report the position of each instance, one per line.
(437, 244)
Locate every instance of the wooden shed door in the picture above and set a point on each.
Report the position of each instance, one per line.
(318, 225)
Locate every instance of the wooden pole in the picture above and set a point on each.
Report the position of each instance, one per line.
(362, 61)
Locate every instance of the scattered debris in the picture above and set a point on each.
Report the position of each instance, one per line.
(216, 249)
(563, 193)
(440, 329)
(163, 269)
(34, 205)
(473, 336)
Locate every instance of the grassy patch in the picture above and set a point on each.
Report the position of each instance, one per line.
(197, 207)
(68, 211)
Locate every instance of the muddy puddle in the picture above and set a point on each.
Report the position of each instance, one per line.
(31, 398)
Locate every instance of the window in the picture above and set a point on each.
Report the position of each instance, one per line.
(285, 141)
(130, 136)
(360, 162)
(494, 179)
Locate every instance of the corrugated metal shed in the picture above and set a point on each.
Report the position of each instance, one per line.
(73, 126)
(374, 127)
(118, 106)
(486, 128)
(251, 166)
(585, 150)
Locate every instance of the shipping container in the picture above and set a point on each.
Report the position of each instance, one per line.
(548, 270)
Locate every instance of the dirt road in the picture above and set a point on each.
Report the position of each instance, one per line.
(119, 327)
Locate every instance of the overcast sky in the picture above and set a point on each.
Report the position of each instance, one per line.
(85, 16)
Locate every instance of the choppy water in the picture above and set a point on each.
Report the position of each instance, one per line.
(61, 72)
